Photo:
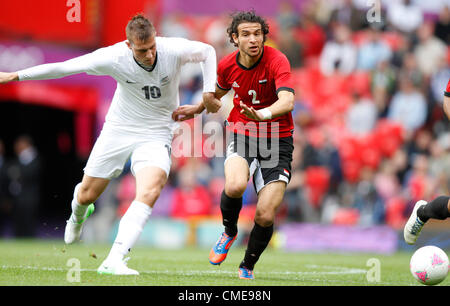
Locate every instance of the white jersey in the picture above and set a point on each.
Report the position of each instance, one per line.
(143, 101)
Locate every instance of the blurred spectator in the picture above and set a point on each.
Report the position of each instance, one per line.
(296, 196)
(419, 183)
(361, 115)
(440, 165)
(386, 181)
(25, 187)
(330, 158)
(438, 81)
(288, 44)
(311, 37)
(190, 198)
(348, 13)
(174, 25)
(373, 50)
(339, 55)
(5, 205)
(383, 79)
(367, 200)
(420, 144)
(400, 163)
(287, 18)
(410, 69)
(404, 15)
(215, 34)
(442, 28)
(430, 50)
(408, 107)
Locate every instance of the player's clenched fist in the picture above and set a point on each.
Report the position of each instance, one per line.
(211, 103)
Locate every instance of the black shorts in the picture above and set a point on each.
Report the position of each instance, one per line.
(269, 159)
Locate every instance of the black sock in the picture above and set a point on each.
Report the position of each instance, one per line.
(257, 243)
(436, 209)
(230, 207)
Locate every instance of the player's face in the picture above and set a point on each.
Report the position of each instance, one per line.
(250, 38)
(144, 51)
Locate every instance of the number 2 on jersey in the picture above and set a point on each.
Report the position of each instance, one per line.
(252, 93)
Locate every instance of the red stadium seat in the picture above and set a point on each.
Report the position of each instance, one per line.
(370, 155)
(346, 216)
(317, 179)
(394, 212)
(351, 170)
(389, 136)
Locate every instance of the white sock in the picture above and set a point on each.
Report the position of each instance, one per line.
(78, 210)
(130, 228)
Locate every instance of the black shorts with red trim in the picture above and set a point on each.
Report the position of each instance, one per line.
(269, 159)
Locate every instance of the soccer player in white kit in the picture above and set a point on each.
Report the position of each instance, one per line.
(138, 124)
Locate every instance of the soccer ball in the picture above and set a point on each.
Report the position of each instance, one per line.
(429, 265)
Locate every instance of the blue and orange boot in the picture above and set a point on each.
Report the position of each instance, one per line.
(245, 273)
(220, 250)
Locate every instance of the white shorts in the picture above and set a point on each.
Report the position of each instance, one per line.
(113, 149)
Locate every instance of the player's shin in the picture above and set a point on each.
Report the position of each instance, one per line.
(78, 210)
(230, 208)
(130, 228)
(258, 241)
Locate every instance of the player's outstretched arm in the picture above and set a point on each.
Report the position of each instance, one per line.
(283, 105)
(212, 100)
(6, 77)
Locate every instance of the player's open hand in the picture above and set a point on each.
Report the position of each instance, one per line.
(185, 112)
(250, 112)
(6, 77)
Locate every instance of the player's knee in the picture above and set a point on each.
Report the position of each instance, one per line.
(264, 218)
(149, 195)
(235, 189)
(87, 195)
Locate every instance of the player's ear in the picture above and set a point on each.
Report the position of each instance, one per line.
(235, 38)
(128, 43)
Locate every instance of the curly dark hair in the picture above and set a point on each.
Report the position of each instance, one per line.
(248, 16)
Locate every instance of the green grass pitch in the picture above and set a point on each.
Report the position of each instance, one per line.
(52, 263)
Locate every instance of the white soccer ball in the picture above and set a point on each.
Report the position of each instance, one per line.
(429, 265)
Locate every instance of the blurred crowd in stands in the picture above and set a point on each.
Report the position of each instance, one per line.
(370, 134)
(371, 137)
(20, 188)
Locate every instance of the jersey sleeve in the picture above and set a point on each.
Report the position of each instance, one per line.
(447, 90)
(99, 62)
(198, 52)
(282, 74)
(222, 81)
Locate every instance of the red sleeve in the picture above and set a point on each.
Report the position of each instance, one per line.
(447, 90)
(282, 74)
(222, 81)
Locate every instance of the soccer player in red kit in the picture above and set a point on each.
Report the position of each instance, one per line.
(438, 208)
(260, 125)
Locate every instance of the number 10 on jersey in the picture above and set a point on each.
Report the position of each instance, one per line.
(152, 91)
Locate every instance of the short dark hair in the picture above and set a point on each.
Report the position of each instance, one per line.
(246, 16)
(140, 28)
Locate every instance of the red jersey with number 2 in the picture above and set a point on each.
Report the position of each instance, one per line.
(257, 87)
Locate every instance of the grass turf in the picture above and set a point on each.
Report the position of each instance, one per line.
(48, 263)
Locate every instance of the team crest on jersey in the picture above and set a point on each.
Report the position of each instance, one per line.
(165, 80)
(235, 84)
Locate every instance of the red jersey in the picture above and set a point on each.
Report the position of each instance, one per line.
(257, 87)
